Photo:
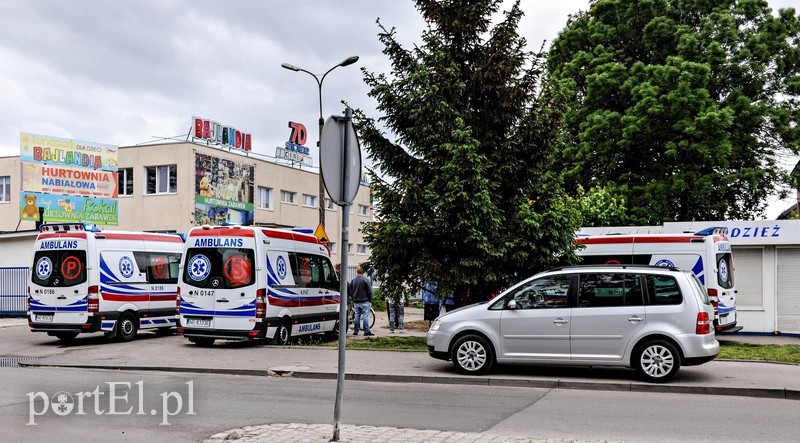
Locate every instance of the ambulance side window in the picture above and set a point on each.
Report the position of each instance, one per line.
(141, 260)
(162, 267)
(314, 271)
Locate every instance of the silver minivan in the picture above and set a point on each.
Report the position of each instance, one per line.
(653, 319)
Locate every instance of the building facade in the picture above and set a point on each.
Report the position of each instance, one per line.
(173, 187)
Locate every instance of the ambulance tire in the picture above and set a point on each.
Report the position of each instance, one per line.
(65, 337)
(165, 331)
(202, 342)
(127, 327)
(284, 333)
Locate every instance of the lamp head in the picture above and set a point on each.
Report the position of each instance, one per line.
(293, 67)
(349, 60)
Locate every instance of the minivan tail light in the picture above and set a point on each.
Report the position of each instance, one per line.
(94, 298)
(703, 324)
(261, 308)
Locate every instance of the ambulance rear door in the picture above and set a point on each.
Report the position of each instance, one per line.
(59, 279)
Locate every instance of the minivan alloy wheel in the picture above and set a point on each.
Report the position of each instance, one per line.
(658, 361)
(472, 355)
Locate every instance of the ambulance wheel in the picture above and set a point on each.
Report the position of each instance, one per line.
(66, 337)
(284, 334)
(127, 327)
(202, 342)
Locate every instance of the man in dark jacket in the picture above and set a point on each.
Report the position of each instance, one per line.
(360, 290)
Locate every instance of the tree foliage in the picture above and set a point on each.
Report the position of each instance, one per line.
(683, 107)
(466, 194)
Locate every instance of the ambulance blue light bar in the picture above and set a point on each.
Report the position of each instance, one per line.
(714, 230)
(64, 227)
(304, 231)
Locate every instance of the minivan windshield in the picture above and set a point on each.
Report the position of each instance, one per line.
(219, 268)
(59, 268)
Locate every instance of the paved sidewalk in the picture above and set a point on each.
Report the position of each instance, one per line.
(296, 432)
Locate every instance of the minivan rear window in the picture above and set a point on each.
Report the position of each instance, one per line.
(59, 268)
(219, 268)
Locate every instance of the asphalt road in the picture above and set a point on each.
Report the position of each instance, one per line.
(222, 402)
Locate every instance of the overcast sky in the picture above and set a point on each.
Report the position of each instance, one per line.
(126, 72)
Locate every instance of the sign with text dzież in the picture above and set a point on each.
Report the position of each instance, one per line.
(223, 191)
(294, 148)
(222, 135)
(73, 180)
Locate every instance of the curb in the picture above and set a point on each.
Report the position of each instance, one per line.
(778, 393)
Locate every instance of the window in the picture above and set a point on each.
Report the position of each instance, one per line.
(309, 201)
(349, 249)
(725, 273)
(163, 267)
(219, 268)
(361, 249)
(59, 268)
(329, 205)
(663, 290)
(541, 293)
(264, 198)
(125, 178)
(612, 289)
(162, 179)
(5, 189)
(363, 210)
(332, 247)
(313, 271)
(287, 197)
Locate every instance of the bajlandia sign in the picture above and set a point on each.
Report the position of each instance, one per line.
(72, 180)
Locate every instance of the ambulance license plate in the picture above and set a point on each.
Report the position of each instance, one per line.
(201, 322)
(43, 317)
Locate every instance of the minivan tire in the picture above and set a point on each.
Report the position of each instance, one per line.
(127, 327)
(283, 335)
(472, 355)
(658, 361)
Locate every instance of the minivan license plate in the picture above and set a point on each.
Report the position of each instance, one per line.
(202, 322)
(43, 317)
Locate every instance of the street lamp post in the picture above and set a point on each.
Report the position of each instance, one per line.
(348, 61)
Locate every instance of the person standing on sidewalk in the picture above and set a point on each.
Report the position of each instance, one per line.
(360, 290)
(396, 310)
(431, 303)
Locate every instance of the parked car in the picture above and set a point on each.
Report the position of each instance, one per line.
(650, 318)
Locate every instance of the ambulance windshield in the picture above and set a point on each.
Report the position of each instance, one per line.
(59, 268)
(219, 268)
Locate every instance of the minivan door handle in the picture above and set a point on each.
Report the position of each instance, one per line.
(635, 319)
(222, 300)
(560, 321)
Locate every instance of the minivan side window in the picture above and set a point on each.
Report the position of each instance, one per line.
(663, 290)
(609, 289)
(543, 293)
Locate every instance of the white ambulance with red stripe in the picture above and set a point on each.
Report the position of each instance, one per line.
(88, 280)
(706, 253)
(248, 283)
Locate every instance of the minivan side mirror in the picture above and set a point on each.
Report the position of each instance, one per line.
(512, 304)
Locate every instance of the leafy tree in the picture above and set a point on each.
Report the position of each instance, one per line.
(466, 194)
(683, 107)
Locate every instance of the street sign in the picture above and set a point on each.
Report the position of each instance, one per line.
(321, 235)
(340, 159)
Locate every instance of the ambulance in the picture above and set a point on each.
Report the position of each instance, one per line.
(251, 283)
(87, 280)
(706, 253)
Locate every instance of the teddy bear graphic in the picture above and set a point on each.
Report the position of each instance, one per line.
(30, 210)
(205, 188)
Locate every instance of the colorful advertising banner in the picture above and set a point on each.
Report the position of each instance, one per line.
(61, 208)
(223, 191)
(38, 177)
(73, 180)
(66, 152)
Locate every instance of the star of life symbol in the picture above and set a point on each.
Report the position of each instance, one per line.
(723, 270)
(62, 403)
(44, 267)
(126, 267)
(199, 267)
(281, 265)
